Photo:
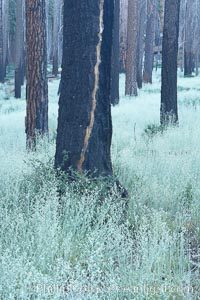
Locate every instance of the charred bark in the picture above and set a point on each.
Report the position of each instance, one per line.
(140, 52)
(84, 123)
(36, 71)
(115, 56)
(169, 111)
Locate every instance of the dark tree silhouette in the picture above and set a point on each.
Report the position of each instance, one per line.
(169, 111)
(84, 122)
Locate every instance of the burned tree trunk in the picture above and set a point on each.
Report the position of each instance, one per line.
(132, 47)
(149, 42)
(115, 56)
(123, 34)
(169, 111)
(19, 49)
(36, 71)
(84, 123)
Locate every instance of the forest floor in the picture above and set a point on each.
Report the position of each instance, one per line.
(85, 250)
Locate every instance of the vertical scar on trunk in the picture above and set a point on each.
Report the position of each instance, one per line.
(95, 89)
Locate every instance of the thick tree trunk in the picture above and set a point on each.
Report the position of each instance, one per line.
(140, 52)
(84, 123)
(36, 71)
(5, 34)
(169, 111)
(19, 49)
(132, 47)
(149, 42)
(1, 42)
(115, 56)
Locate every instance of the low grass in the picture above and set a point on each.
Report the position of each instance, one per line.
(76, 245)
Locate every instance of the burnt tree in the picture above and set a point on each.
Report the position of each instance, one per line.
(36, 71)
(84, 122)
(115, 56)
(169, 111)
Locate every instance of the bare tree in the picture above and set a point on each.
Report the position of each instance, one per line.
(84, 123)
(132, 48)
(169, 111)
(149, 41)
(36, 71)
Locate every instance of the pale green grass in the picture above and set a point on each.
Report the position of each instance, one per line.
(85, 251)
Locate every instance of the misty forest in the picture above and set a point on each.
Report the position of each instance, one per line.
(100, 149)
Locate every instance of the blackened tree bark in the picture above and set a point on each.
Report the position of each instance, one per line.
(115, 56)
(36, 71)
(132, 47)
(188, 54)
(149, 42)
(140, 52)
(19, 49)
(1, 42)
(84, 123)
(169, 111)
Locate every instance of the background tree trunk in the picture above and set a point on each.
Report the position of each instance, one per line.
(169, 111)
(149, 42)
(123, 34)
(188, 55)
(140, 52)
(19, 49)
(36, 71)
(115, 56)
(84, 123)
(56, 36)
(132, 47)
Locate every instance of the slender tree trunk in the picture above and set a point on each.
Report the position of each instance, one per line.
(188, 55)
(149, 42)
(169, 111)
(19, 49)
(84, 122)
(115, 56)
(1, 42)
(36, 71)
(142, 25)
(56, 36)
(132, 47)
(5, 34)
(123, 34)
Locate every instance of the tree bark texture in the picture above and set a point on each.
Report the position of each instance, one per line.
(56, 36)
(132, 47)
(115, 56)
(84, 123)
(149, 41)
(188, 54)
(19, 49)
(36, 71)
(123, 34)
(140, 52)
(169, 111)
